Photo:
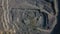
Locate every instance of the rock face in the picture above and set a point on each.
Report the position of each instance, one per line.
(27, 16)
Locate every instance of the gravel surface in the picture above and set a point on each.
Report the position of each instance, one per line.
(27, 17)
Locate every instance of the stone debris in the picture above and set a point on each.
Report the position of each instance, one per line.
(26, 17)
